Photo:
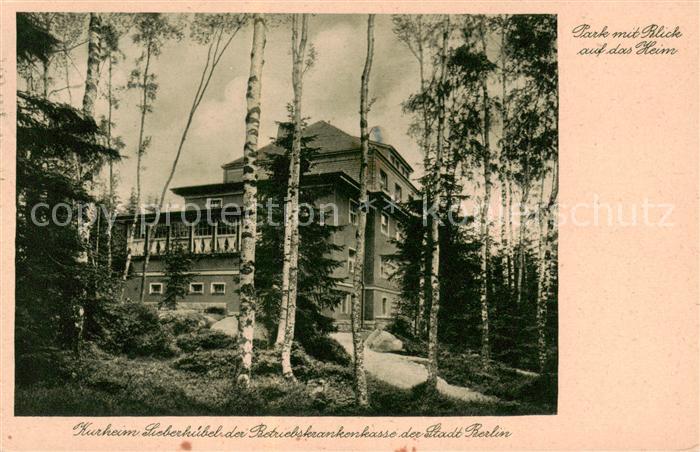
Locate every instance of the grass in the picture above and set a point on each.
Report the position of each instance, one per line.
(532, 393)
(120, 386)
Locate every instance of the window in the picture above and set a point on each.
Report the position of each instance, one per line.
(203, 229)
(397, 193)
(214, 203)
(385, 224)
(345, 304)
(227, 228)
(383, 181)
(196, 288)
(352, 217)
(218, 288)
(155, 288)
(160, 231)
(351, 261)
(179, 230)
(384, 306)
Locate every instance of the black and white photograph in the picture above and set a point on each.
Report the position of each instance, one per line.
(256, 214)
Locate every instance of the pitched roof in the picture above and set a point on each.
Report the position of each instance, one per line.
(327, 138)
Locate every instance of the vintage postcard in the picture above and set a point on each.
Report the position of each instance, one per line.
(382, 225)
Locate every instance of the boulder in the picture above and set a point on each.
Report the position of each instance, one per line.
(229, 325)
(383, 341)
(212, 319)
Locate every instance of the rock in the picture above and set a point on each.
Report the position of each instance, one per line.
(211, 320)
(383, 341)
(229, 325)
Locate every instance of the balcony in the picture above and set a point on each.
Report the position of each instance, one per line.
(198, 239)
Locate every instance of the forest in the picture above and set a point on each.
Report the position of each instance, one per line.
(476, 259)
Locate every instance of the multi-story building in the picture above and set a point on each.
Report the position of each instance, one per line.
(336, 165)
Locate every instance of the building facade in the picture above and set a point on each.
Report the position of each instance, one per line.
(210, 229)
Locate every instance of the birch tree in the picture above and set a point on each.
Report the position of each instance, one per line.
(486, 199)
(437, 195)
(246, 320)
(416, 32)
(107, 125)
(152, 31)
(92, 79)
(506, 229)
(216, 31)
(358, 276)
(300, 24)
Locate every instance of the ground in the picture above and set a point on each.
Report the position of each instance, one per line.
(176, 365)
(405, 371)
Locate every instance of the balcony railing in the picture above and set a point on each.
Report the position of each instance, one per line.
(228, 241)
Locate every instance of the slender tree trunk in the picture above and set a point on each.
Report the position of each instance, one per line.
(91, 81)
(509, 221)
(424, 295)
(435, 225)
(542, 224)
(139, 153)
(358, 277)
(544, 271)
(45, 79)
(505, 232)
(246, 319)
(427, 260)
(292, 223)
(66, 53)
(110, 223)
(485, 236)
(144, 111)
(525, 196)
(209, 66)
(98, 227)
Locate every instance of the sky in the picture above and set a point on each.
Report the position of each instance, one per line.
(331, 93)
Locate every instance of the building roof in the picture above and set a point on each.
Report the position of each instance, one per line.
(327, 138)
(234, 187)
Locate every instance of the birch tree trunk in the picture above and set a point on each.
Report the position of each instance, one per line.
(139, 152)
(545, 250)
(144, 111)
(292, 224)
(505, 231)
(485, 237)
(92, 78)
(246, 319)
(425, 294)
(435, 224)
(358, 277)
(525, 196)
(214, 54)
(110, 223)
(91, 81)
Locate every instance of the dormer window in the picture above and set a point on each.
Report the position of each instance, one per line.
(214, 203)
